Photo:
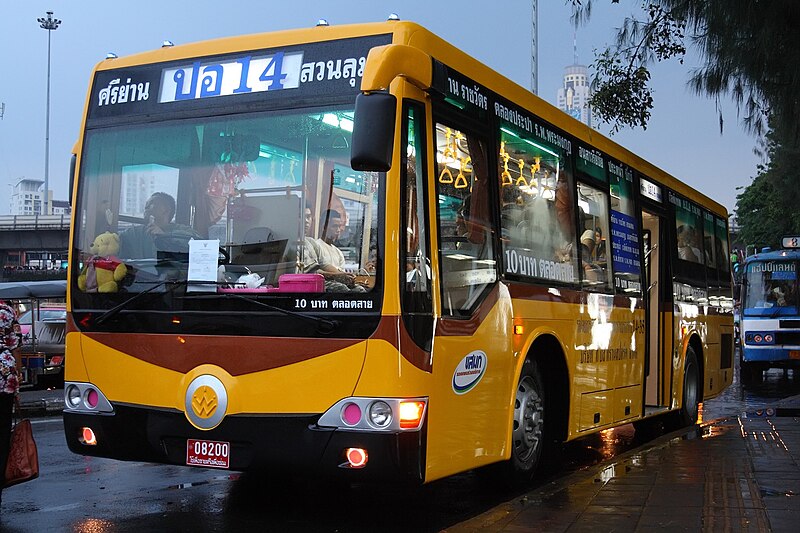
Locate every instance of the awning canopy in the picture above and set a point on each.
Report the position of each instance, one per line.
(26, 290)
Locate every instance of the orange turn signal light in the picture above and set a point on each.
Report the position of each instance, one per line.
(411, 414)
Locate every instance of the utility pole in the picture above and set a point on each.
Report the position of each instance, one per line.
(48, 24)
(535, 46)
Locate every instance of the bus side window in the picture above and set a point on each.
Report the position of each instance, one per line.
(593, 231)
(536, 209)
(465, 220)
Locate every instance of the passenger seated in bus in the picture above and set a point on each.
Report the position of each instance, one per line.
(464, 233)
(538, 228)
(139, 242)
(510, 211)
(686, 249)
(592, 272)
(321, 256)
(778, 295)
(599, 253)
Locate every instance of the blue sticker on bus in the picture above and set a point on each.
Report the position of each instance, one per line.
(469, 371)
(624, 243)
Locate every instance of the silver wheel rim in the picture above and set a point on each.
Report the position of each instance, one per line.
(528, 420)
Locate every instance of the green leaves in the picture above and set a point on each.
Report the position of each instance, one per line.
(622, 94)
(766, 210)
(623, 97)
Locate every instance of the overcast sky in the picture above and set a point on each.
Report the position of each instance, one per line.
(683, 137)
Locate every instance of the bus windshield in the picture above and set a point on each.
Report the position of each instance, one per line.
(771, 288)
(273, 191)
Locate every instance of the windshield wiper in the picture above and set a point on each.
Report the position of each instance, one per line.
(117, 308)
(329, 325)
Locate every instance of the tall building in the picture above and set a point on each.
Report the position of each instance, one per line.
(26, 198)
(573, 97)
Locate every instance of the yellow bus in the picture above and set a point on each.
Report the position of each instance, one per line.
(356, 251)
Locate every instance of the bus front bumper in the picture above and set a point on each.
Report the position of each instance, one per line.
(285, 444)
(783, 355)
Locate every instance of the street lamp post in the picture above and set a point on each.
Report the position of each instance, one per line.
(48, 24)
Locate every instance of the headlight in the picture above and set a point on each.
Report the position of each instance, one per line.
(73, 396)
(380, 414)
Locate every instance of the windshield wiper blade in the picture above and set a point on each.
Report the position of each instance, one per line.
(117, 308)
(330, 325)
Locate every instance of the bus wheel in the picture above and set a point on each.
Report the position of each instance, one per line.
(687, 415)
(528, 430)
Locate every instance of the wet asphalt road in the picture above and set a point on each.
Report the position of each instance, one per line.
(83, 494)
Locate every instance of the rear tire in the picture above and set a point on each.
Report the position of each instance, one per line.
(692, 391)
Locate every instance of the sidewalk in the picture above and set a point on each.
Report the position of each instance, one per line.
(732, 474)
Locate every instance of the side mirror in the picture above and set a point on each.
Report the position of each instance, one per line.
(372, 143)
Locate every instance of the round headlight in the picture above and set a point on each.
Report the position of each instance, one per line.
(73, 396)
(380, 414)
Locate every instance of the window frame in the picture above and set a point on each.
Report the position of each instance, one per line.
(445, 115)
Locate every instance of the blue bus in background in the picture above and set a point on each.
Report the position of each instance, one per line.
(770, 310)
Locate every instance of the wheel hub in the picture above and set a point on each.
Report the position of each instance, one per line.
(528, 419)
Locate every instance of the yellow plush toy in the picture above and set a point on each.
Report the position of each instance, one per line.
(103, 271)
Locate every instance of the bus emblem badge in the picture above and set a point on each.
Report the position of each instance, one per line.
(469, 371)
(206, 402)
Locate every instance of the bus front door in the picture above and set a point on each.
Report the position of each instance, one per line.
(655, 399)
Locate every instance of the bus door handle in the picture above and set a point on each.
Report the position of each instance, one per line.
(650, 251)
(651, 286)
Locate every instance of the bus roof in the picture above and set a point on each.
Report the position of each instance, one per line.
(414, 35)
(772, 255)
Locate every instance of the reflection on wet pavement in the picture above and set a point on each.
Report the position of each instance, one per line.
(739, 398)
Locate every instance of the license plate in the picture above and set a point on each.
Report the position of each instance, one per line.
(208, 453)
(794, 354)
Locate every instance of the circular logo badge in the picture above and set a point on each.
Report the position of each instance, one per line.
(206, 402)
(469, 371)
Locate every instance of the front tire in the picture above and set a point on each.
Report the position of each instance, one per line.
(528, 431)
(528, 434)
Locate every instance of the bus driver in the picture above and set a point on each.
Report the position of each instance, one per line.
(323, 257)
(139, 242)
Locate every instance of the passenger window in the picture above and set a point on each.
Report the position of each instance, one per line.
(464, 216)
(721, 245)
(689, 230)
(537, 216)
(592, 240)
(623, 236)
(708, 240)
(416, 272)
